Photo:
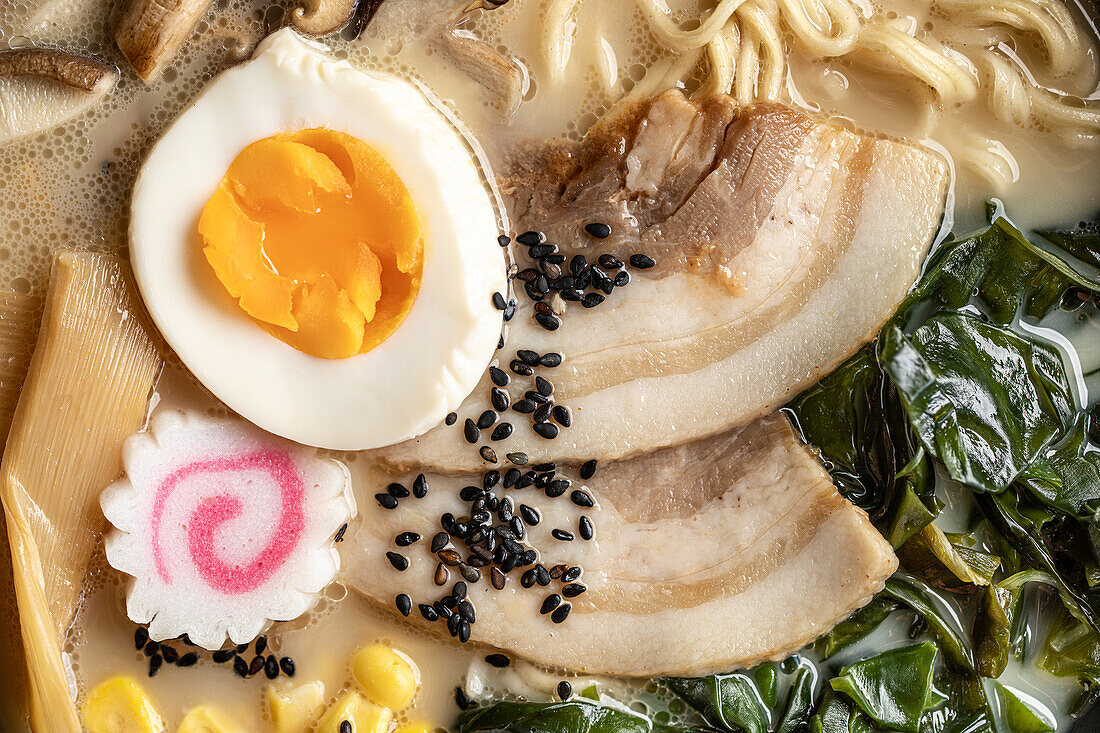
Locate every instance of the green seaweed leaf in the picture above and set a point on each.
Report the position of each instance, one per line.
(573, 716)
(893, 688)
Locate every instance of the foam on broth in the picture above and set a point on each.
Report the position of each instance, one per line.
(69, 188)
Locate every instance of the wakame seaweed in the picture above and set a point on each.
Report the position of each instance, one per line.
(951, 387)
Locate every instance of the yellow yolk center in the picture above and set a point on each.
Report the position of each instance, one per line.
(318, 240)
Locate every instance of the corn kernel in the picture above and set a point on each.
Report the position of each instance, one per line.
(120, 705)
(364, 716)
(293, 709)
(388, 676)
(204, 719)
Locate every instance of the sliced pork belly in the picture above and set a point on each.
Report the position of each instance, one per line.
(782, 244)
(706, 557)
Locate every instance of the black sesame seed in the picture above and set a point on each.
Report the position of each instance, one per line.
(572, 295)
(488, 454)
(556, 571)
(530, 238)
(641, 262)
(551, 602)
(517, 458)
(544, 387)
(451, 418)
(154, 664)
(397, 491)
(287, 665)
(500, 342)
(599, 230)
(504, 240)
(151, 648)
(170, 655)
(544, 467)
(583, 281)
(386, 501)
(428, 612)
(496, 577)
(399, 561)
(339, 536)
(532, 291)
(420, 486)
(518, 367)
(461, 700)
(561, 613)
(577, 264)
(535, 397)
(551, 270)
(500, 399)
(256, 665)
(621, 278)
(498, 660)
(403, 603)
(562, 416)
(510, 476)
(486, 419)
(609, 262)
(528, 357)
(240, 666)
(499, 376)
(271, 667)
(591, 300)
(588, 469)
(527, 580)
(554, 259)
(406, 538)
(551, 359)
(141, 637)
(540, 251)
(549, 322)
(582, 498)
(470, 573)
(542, 414)
(466, 610)
(469, 493)
(573, 590)
(502, 431)
(527, 275)
(565, 282)
(449, 557)
(541, 284)
(517, 528)
(188, 660)
(464, 631)
(471, 431)
(499, 302)
(223, 655)
(585, 528)
(439, 541)
(557, 487)
(529, 514)
(542, 575)
(346, 727)
(524, 406)
(565, 690)
(562, 534)
(490, 479)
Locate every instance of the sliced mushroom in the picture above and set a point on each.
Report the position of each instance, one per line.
(150, 32)
(44, 87)
(708, 557)
(321, 17)
(781, 244)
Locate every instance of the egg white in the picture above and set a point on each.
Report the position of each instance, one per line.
(434, 359)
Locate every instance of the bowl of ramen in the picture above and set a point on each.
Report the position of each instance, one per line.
(550, 366)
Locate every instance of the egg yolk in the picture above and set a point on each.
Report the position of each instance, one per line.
(318, 240)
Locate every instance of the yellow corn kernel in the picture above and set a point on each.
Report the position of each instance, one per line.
(120, 705)
(364, 716)
(388, 676)
(204, 719)
(293, 709)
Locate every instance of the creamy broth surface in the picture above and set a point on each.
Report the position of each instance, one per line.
(69, 187)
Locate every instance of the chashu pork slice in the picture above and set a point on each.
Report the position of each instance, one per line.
(782, 244)
(706, 557)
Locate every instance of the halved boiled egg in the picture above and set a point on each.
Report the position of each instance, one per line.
(318, 245)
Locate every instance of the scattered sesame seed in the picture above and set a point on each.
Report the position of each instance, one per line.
(641, 262)
(222, 656)
(562, 416)
(469, 572)
(518, 367)
(488, 454)
(271, 667)
(499, 376)
(486, 419)
(397, 491)
(565, 690)
(428, 612)
(256, 665)
(528, 357)
(585, 528)
(497, 578)
(345, 726)
(573, 590)
(591, 300)
(504, 240)
(188, 660)
(499, 302)
(403, 603)
(561, 613)
(339, 537)
(171, 655)
(540, 251)
(386, 501)
(524, 406)
(287, 665)
(550, 360)
(549, 322)
(588, 469)
(439, 541)
(471, 431)
(155, 662)
(399, 561)
(609, 262)
(464, 631)
(621, 278)
(240, 666)
(498, 660)
(546, 430)
(530, 238)
(420, 486)
(518, 458)
(529, 514)
(582, 498)
(451, 419)
(544, 387)
(500, 399)
(551, 602)
(141, 637)
(502, 431)
(598, 230)
(406, 538)
(561, 534)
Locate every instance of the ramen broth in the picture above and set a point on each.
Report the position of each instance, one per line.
(69, 188)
